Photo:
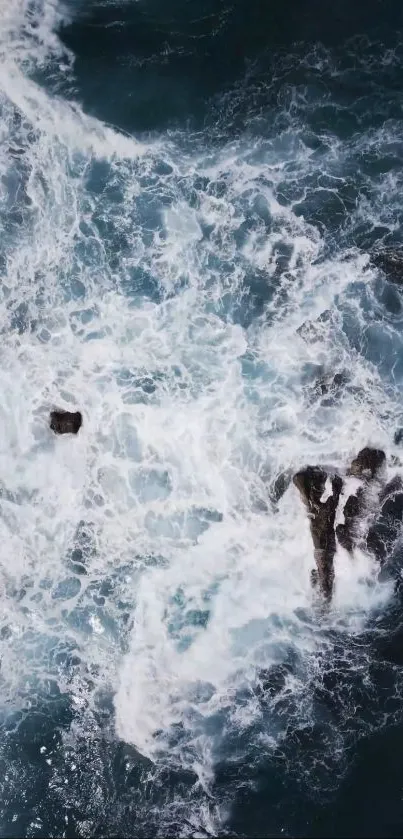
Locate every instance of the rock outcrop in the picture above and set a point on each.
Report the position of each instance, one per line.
(347, 533)
(368, 463)
(66, 422)
(320, 489)
(367, 466)
(311, 483)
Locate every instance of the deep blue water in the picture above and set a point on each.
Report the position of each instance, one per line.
(183, 186)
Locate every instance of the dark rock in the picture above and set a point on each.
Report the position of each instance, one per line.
(340, 379)
(326, 387)
(344, 537)
(366, 466)
(353, 508)
(398, 438)
(368, 463)
(391, 263)
(311, 484)
(65, 422)
(331, 385)
(280, 485)
(15, 152)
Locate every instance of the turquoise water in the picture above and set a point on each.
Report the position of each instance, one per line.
(186, 191)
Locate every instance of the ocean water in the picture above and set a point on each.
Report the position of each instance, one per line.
(189, 195)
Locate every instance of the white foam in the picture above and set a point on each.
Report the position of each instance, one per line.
(171, 483)
(28, 29)
(28, 39)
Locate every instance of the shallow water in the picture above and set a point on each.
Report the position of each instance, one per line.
(188, 202)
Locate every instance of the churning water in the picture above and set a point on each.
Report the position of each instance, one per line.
(189, 195)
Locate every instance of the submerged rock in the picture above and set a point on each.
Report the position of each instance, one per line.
(331, 385)
(311, 331)
(279, 486)
(327, 387)
(65, 422)
(311, 483)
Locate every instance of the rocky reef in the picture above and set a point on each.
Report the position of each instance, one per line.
(373, 514)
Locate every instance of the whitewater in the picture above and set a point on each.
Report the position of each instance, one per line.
(178, 289)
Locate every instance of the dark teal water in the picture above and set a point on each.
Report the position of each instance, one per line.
(146, 581)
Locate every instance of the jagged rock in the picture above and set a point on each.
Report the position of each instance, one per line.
(366, 466)
(353, 508)
(65, 422)
(327, 387)
(280, 485)
(368, 463)
(391, 263)
(330, 385)
(387, 524)
(311, 484)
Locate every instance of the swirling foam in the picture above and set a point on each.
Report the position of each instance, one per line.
(145, 557)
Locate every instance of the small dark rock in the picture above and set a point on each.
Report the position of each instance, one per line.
(65, 422)
(331, 385)
(368, 463)
(15, 152)
(398, 438)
